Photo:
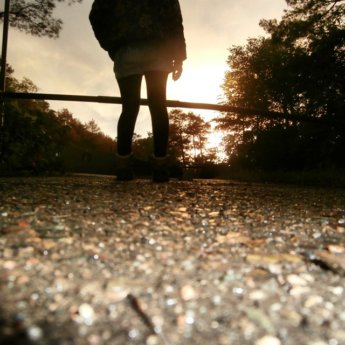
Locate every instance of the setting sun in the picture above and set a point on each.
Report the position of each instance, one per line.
(199, 83)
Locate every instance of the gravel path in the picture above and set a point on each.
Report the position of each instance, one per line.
(88, 260)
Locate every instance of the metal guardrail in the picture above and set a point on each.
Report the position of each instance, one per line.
(170, 104)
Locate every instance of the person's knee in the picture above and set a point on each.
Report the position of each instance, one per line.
(130, 110)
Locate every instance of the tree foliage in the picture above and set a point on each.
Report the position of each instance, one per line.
(36, 17)
(37, 139)
(188, 137)
(299, 68)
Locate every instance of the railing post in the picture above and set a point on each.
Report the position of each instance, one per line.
(4, 46)
(3, 76)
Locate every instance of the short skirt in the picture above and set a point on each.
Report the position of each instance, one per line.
(141, 58)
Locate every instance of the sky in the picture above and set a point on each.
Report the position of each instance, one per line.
(75, 64)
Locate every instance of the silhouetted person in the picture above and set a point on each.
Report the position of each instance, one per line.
(143, 38)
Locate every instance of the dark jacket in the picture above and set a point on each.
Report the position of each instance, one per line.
(122, 22)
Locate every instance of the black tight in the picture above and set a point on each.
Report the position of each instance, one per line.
(156, 95)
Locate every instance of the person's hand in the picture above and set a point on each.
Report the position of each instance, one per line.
(177, 70)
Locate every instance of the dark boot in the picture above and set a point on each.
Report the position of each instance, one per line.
(124, 171)
(160, 169)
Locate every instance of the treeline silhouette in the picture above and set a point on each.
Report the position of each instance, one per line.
(298, 68)
(37, 139)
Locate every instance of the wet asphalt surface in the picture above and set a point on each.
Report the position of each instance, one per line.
(88, 260)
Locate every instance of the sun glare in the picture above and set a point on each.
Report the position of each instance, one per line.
(198, 84)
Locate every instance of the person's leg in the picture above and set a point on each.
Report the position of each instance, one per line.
(156, 94)
(130, 95)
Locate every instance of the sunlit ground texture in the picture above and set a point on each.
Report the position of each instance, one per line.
(88, 260)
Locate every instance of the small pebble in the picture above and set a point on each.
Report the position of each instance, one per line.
(268, 340)
(34, 333)
(133, 333)
(294, 279)
(87, 313)
(341, 221)
(312, 301)
(153, 340)
(9, 265)
(337, 290)
(257, 295)
(188, 293)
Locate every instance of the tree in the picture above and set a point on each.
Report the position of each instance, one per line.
(315, 29)
(178, 139)
(298, 69)
(32, 136)
(92, 127)
(188, 136)
(198, 129)
(86, 148)
(37, 139)
(35, 17)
